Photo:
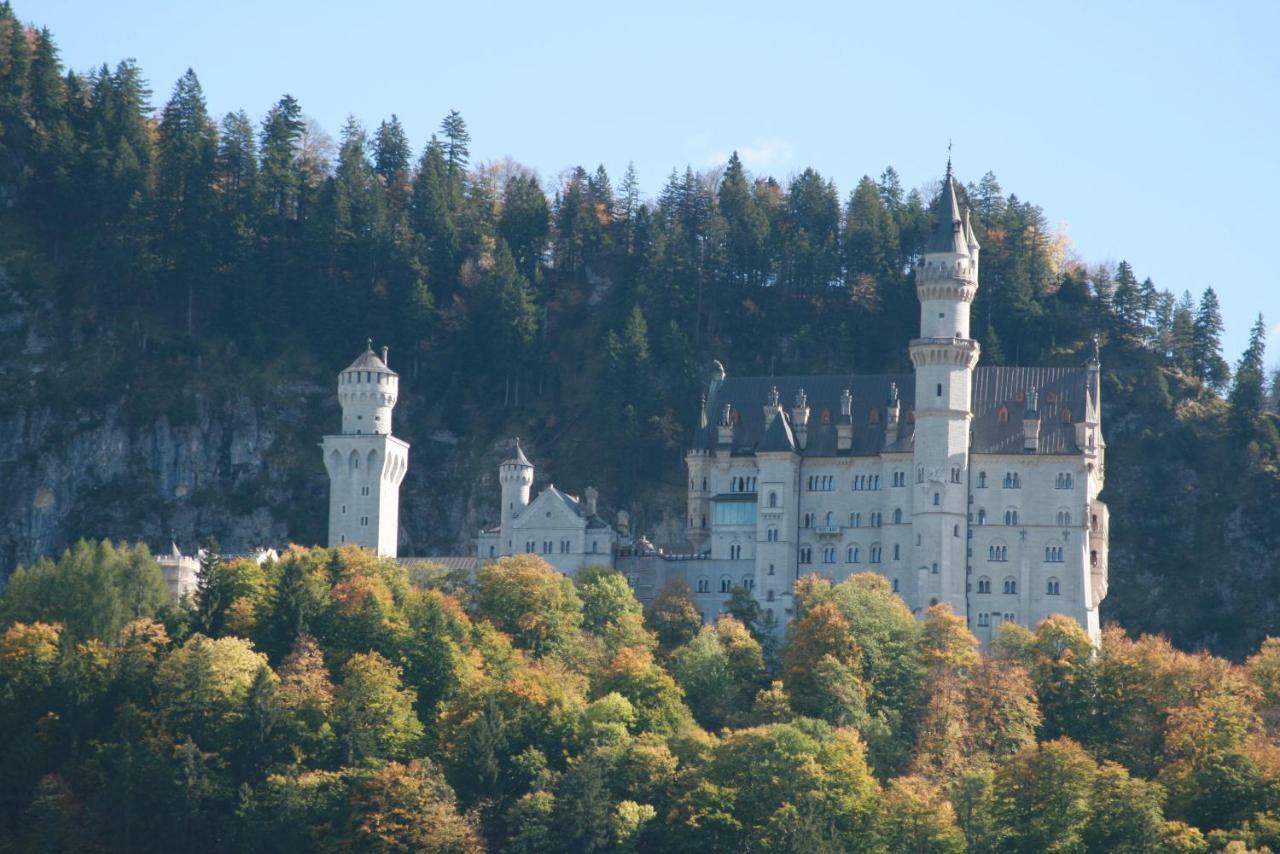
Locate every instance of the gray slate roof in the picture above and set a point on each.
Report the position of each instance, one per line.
(948, 230)
(993, 388)
(575, 504)
(369, 361)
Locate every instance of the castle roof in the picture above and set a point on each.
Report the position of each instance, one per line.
(518, 458)
(1062, 392)
(778, 435)
(576, 506)
(948, 230)
(370, 361)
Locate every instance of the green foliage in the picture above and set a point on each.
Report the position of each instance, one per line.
(92, 590)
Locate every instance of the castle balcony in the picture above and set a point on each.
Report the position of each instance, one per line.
(826, 530)
(944, 351)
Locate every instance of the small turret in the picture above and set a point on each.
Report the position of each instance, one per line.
(515, 475)
(893, 416)
(368, 391)
(724, 432)
(771, 406)
(590, 497)
(800, 419)
(844, 427)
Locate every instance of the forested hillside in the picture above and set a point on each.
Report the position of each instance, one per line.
(178, 291)
(334, 701)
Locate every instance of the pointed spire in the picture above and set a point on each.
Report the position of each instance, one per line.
(969, 237)
(773, 395)
(948, 232)
(702, 413)
(518, 458)
(846, 404)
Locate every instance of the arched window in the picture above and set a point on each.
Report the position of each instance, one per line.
(1052, 587)
(920, 474)
(982, 480)
(982, 516)
(726, 584)
(984, 620)
(1011, 517)
(771, 570)
(897, 515)
(851, 555)
(831, 519)
(895, 585)
(768, 596)
(1064, 518)
(897, 551)
(937, 499)
(1011, 585)
(704, 584)
(773, 499)
(875, 553)
(984, 585)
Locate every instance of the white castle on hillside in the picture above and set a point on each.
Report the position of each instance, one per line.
(972, 486)
(365, 462)
(980, 491)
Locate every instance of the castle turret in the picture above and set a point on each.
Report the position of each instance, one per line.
(800, 419)
(894, 416)
(944, 357)
(515, 474)
(366, 464)
(844, 427)
(1031, 423)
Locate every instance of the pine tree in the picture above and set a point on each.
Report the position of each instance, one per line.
(1247, 395)
(280, 143)
(525, 224)
(186, 150)
(209, 593)
(391, 152)
(456, 141)
(431, 216)
(746, 227)
(1206, 343)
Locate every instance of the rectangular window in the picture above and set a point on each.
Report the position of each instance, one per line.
(735, 513)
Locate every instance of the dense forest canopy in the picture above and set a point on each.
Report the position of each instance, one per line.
(332, 700)
(169, 250)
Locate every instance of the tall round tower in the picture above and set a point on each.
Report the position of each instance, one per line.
(366, 464)
(368, 391)
(516, 476)
(944, 357)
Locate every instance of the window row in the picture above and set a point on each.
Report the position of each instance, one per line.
(549, 546)
(726, 584)
(1052, 586)
(984, 619)
(740, 484)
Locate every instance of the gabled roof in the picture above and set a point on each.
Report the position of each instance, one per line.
(993, 388)
(571, 502)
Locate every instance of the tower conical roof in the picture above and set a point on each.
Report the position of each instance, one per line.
(369, 361)
(518, 458)
(948, 230)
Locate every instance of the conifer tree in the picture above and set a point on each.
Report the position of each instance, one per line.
(1206, 343)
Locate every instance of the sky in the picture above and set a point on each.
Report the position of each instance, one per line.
(1147, 129)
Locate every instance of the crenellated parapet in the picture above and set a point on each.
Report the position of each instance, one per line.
(961, 352)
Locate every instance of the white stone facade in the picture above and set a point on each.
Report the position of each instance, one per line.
(564, 530)
(366, 464)
(983, 494)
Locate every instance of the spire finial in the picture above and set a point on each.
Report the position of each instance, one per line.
(1097, 349)
(368, 344)
(948, 158)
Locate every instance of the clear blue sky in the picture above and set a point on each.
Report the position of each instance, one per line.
(1148, 128)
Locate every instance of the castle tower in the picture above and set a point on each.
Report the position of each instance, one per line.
(516, 477)
(366, 464)
(944, 357)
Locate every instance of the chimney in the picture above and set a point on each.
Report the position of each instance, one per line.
(800, 419)
(724, 433)
(1031, 423)
(844, 427)
(893, 415)
(590, 496)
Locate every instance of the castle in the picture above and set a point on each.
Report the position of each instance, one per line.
(972, 486)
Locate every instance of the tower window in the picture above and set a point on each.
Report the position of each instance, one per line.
(939, 389)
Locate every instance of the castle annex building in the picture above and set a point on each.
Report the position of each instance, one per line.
(974, 486)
